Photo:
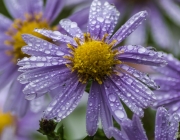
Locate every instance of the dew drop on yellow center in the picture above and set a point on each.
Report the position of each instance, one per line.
(20, 27)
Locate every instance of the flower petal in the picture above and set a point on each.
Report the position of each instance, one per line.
(106, 117)
(114, 104)
(64, 103)
(72, 28)
(160, 32)
(38, 46)
(35, 74)
(16, 96)
(45, 84)
(52, 9)
(56, 36)
(140, 55)
(139, 75)
(129, 27)
(5, 23)
(162, 124)
(93, 107)
(17, 8)
(102, 19)
(171, 9)
(174, 127)
(118, 135)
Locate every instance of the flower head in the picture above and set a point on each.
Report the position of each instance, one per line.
(168, 79)
(92, 57)
(166, 127)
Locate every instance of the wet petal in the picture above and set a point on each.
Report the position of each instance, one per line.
(93, 108)
(129, 27)
(66, 101)
(140, 55)
(41, 46)
(118, 135)
(105, 114)
(115, 106)
(72, 28)
(56, 36)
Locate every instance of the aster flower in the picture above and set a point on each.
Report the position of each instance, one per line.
(168, 78)
(166, 127)
(160, 32)
(90, 58)
(27, 15)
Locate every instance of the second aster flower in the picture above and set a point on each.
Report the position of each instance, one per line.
(90, 58)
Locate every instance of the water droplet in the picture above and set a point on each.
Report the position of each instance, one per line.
(119, 114)
(59, 53)
(112, 97)
(30, 96)
(141, 50)
(100, 19)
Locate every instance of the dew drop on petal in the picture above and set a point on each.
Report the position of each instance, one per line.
(119, 114)
(30, 96)
(112, 98)
(59, 53)
(141, 50)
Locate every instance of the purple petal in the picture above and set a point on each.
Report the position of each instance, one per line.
(16, 96)
(171, 9)
(40, 61)
(114, 104)
(5, 24)
(118, 135)
(105, 113)
(35, 6)
(56, 36)
(129, 27)
(160, 33)
(166, 98)
(93, 107)
(102, 19)
(35, 74)
(141, 55)
(139, 75)
(52, 9)
(138, 129)
(45, 84)
(161, 128)
(127, 98)
(40, 46)
(174, 127)
(8, 73)
(17, 8)
(67, 100)
(72, 28)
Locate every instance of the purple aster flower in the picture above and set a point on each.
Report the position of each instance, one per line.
(90, 58)
(168, 78)
(166, 127)
(28, 15)
(160, 32)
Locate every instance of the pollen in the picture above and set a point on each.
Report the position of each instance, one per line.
(6, 119)
(92, 59)
(20, 27)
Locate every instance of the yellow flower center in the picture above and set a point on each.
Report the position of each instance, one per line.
(6, 119)
(20, 27)
(92, 59)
